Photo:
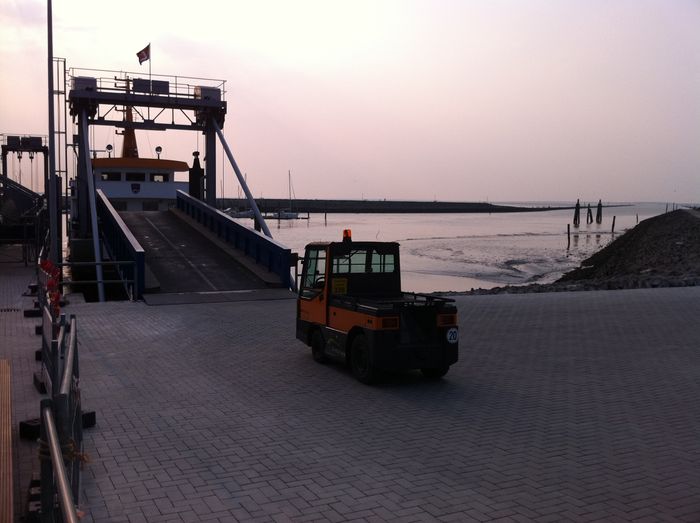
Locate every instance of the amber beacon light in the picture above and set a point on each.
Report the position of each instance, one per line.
(347, 235)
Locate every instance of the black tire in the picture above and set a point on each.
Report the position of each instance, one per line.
(318, 347)
(435, 374)
(361, 361)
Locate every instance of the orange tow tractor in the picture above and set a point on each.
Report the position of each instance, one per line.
(351, 309)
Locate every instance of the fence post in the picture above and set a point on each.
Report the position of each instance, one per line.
(63, 329)
(48, 487)
(65, 414)
(54, 374)
(56, 342)
(76, 411)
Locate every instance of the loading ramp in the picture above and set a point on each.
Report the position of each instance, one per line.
(191, 253)
(182, 260)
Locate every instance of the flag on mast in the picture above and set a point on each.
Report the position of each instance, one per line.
(144, 54)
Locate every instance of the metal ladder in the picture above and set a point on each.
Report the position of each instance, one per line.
(61, 121)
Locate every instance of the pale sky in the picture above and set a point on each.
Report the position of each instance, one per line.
(498, 100)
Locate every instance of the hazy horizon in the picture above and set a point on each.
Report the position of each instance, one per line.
(499, 101)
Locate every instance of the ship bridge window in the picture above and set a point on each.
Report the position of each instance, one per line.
(135, 177)
(111, 177)
(160, 177)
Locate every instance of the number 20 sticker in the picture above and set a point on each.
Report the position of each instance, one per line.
(453, 335)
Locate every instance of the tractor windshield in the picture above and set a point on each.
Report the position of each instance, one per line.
(365, 270)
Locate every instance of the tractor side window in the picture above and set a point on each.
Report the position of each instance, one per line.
(382, 262)
(353, 262)
(314, 272)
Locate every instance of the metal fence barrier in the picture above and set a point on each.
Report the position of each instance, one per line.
(61, 416)
(61, 424)
(69, 407)
(61, 440)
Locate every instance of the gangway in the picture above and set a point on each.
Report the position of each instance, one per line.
(180, 259)
(191, 249)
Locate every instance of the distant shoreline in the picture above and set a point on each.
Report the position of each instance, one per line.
(269, 205)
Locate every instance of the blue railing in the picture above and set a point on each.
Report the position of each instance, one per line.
(264, 251)
(122, 245)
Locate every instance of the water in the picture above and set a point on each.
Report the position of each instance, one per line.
(457, 252)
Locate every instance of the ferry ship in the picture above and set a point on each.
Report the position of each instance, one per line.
(132, 183)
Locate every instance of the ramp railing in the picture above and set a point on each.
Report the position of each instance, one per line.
(122, 245)
(264, 251)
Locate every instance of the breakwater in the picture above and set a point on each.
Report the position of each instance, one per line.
(376, 206)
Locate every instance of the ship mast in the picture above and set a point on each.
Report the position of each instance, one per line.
(130, 148)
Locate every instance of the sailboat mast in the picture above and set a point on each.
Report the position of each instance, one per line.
(289, 172)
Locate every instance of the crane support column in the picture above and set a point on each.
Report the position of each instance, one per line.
(90, 188)
(241, 180)
(210, 163)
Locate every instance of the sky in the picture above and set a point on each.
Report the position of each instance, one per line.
(480, 100)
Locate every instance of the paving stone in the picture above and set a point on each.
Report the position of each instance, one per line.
(563, 406)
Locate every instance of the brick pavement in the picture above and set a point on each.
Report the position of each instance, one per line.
(564, 406)
(570, 406)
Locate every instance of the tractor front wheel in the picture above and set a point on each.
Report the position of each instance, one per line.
(361, 361)
(435, 374)
(318, 347)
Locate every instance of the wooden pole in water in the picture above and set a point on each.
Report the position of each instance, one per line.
(568, 236)
(637, 218)
(613, 225)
